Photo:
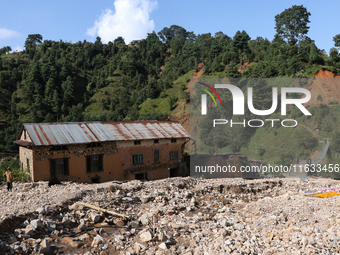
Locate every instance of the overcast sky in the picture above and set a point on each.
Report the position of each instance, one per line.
(79, 20)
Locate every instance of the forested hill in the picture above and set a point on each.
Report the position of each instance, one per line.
(60, 81)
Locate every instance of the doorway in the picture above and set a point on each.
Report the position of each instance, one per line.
(95, 180)
(141, 176)
(174, 172)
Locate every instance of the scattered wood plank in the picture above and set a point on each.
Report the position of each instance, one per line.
(103, 210)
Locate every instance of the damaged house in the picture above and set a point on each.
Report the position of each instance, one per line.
(102, 151)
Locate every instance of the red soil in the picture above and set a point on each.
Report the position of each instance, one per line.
(326, 86)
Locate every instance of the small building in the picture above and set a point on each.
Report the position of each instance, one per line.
(94, 152)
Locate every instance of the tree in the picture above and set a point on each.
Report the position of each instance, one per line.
(240, 43)
(333, 53)
(313, 55)
(68, 96)
(232, 71)
(5, 50)
(166, 34)
(291, 24)
(32, 41)
(151, 90)
(336, 40)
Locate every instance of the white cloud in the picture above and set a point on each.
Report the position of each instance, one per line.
(130, 20)
(18, 48)
(6, 33)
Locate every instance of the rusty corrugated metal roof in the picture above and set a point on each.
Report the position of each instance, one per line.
(87, 132)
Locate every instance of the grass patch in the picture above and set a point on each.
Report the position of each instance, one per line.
(161, 105)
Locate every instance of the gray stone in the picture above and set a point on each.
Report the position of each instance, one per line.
(45, 247)
(43, 210)
(138, 248)
(24, 246)
(163, 246)
(239, 226)
(119, 238)
(84, 237)
(82, 227)
(145, 199)
(17, 248)
(65, 221)
(228, 242)
(52, 227)
(97, 240)
(224, 223)
(76, 207)
(311, 240)
(36, 224)
(56, 232)
(18, 231)
(95, 217)
(145, 236)
(29, 230)
(120, 193)
(134, 224)
(304, 241)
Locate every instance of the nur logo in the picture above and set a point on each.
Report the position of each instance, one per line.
(238, 99)
(204, 97)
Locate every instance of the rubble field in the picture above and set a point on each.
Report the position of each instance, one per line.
(171, 216)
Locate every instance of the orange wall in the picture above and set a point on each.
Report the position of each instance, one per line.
(117, 158)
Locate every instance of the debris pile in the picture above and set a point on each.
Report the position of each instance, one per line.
(171, 216)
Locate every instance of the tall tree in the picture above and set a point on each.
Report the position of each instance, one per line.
(291, 24)
(151, 90)
(313, 55)
(32, 41)
(336, 40)
(240, 43)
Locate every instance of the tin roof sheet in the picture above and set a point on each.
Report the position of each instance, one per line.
(87, 132)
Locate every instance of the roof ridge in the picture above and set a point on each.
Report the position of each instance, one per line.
(62, 133)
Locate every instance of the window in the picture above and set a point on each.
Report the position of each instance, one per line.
(59, 167)
(28, 164)
(173, 155)
(173, 140)
(156, 141)
(94, 144)
(138, 159)
(136, 142)
(25, 134)
(156, 156)
(94, 163)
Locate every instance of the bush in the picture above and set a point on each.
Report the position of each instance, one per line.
(172, 100)
(185, 95)
(14, 164)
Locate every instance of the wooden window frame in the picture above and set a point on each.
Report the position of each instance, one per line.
(136, 158)
(66, 165)
(89, 169)
(159, 156)
(173, 155)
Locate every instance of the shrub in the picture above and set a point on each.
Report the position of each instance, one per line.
(14, 164)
